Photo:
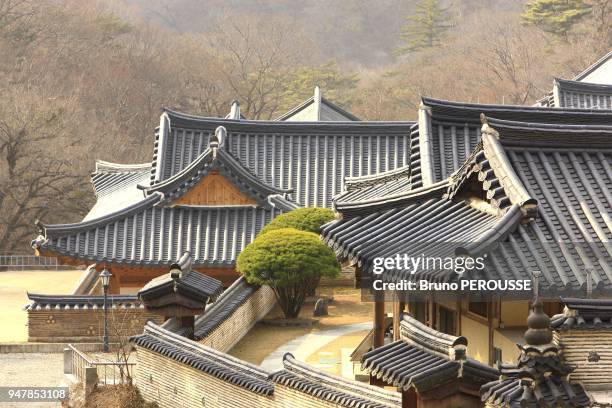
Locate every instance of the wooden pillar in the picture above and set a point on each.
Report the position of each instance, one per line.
(188, 322)
(114, 287)
(490, 310)
(398, 309)
(409, 398)
(430, 312)
(379, 321)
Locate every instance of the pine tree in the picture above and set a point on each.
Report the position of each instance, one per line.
(555, 16)
(426, 27)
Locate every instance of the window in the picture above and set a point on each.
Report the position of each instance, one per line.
(478, 308)
(497, 355)
(418, 309)
(446, 320)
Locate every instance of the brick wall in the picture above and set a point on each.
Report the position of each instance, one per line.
(85, 325)
(234, 328)
(577, 344)
(174, 385)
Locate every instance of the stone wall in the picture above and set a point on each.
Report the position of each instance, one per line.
(85, 325)
(172, 385)
(577, 345)
(238, 324)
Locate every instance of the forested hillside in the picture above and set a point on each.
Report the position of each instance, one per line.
(86, 80)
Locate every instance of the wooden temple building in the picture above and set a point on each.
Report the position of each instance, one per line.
(528, 187)
(213, 184)
(524, 190)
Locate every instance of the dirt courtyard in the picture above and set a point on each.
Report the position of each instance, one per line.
(347, 308)
(14, 286)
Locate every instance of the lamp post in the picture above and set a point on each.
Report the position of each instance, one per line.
(105, 276)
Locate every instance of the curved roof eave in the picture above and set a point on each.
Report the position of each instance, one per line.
(73, 227)
(390, 200)
(105, 166)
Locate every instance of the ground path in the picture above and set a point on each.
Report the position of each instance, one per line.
(32, 370)
(14, 286)
(303, 346)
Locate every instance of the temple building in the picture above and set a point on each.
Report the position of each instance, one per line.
(213, 184)
(533, 196)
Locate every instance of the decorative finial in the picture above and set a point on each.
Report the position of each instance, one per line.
(217, 139)
(589, 282)
(536, 284)
(538, 332)
(317, 102)
(234, 111)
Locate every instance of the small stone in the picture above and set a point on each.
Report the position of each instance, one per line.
(320, 308)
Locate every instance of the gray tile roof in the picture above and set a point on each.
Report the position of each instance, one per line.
(76, 302)
(584, 314)
(388, 183)
(425, 359)
(115, 186)
(576, 94)
(520, 393)
(190, 284)
(227, 165)
(153, 231)
(203, 358)
(336, 390)
(422, 220)
(311, 158)
(550, 186)
(223, 308)
(566, 169)
(449, 131)
(158, 235)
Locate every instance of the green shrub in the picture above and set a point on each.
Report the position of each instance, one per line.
(303, 219)
(291, 262)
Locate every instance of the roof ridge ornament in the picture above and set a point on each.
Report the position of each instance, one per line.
(317, 101)
(217, 139)
(538, 331)
(234, 111)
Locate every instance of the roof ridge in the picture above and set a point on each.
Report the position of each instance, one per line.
(353, 182)
(280, 124)
(491, 120)
(404, 198)
(593, 66)
(583, 85)
(421, 335)
(153, 329)
(350, 387)
(506, 224)
(502, 167)
(526, 108)
(110, 167)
